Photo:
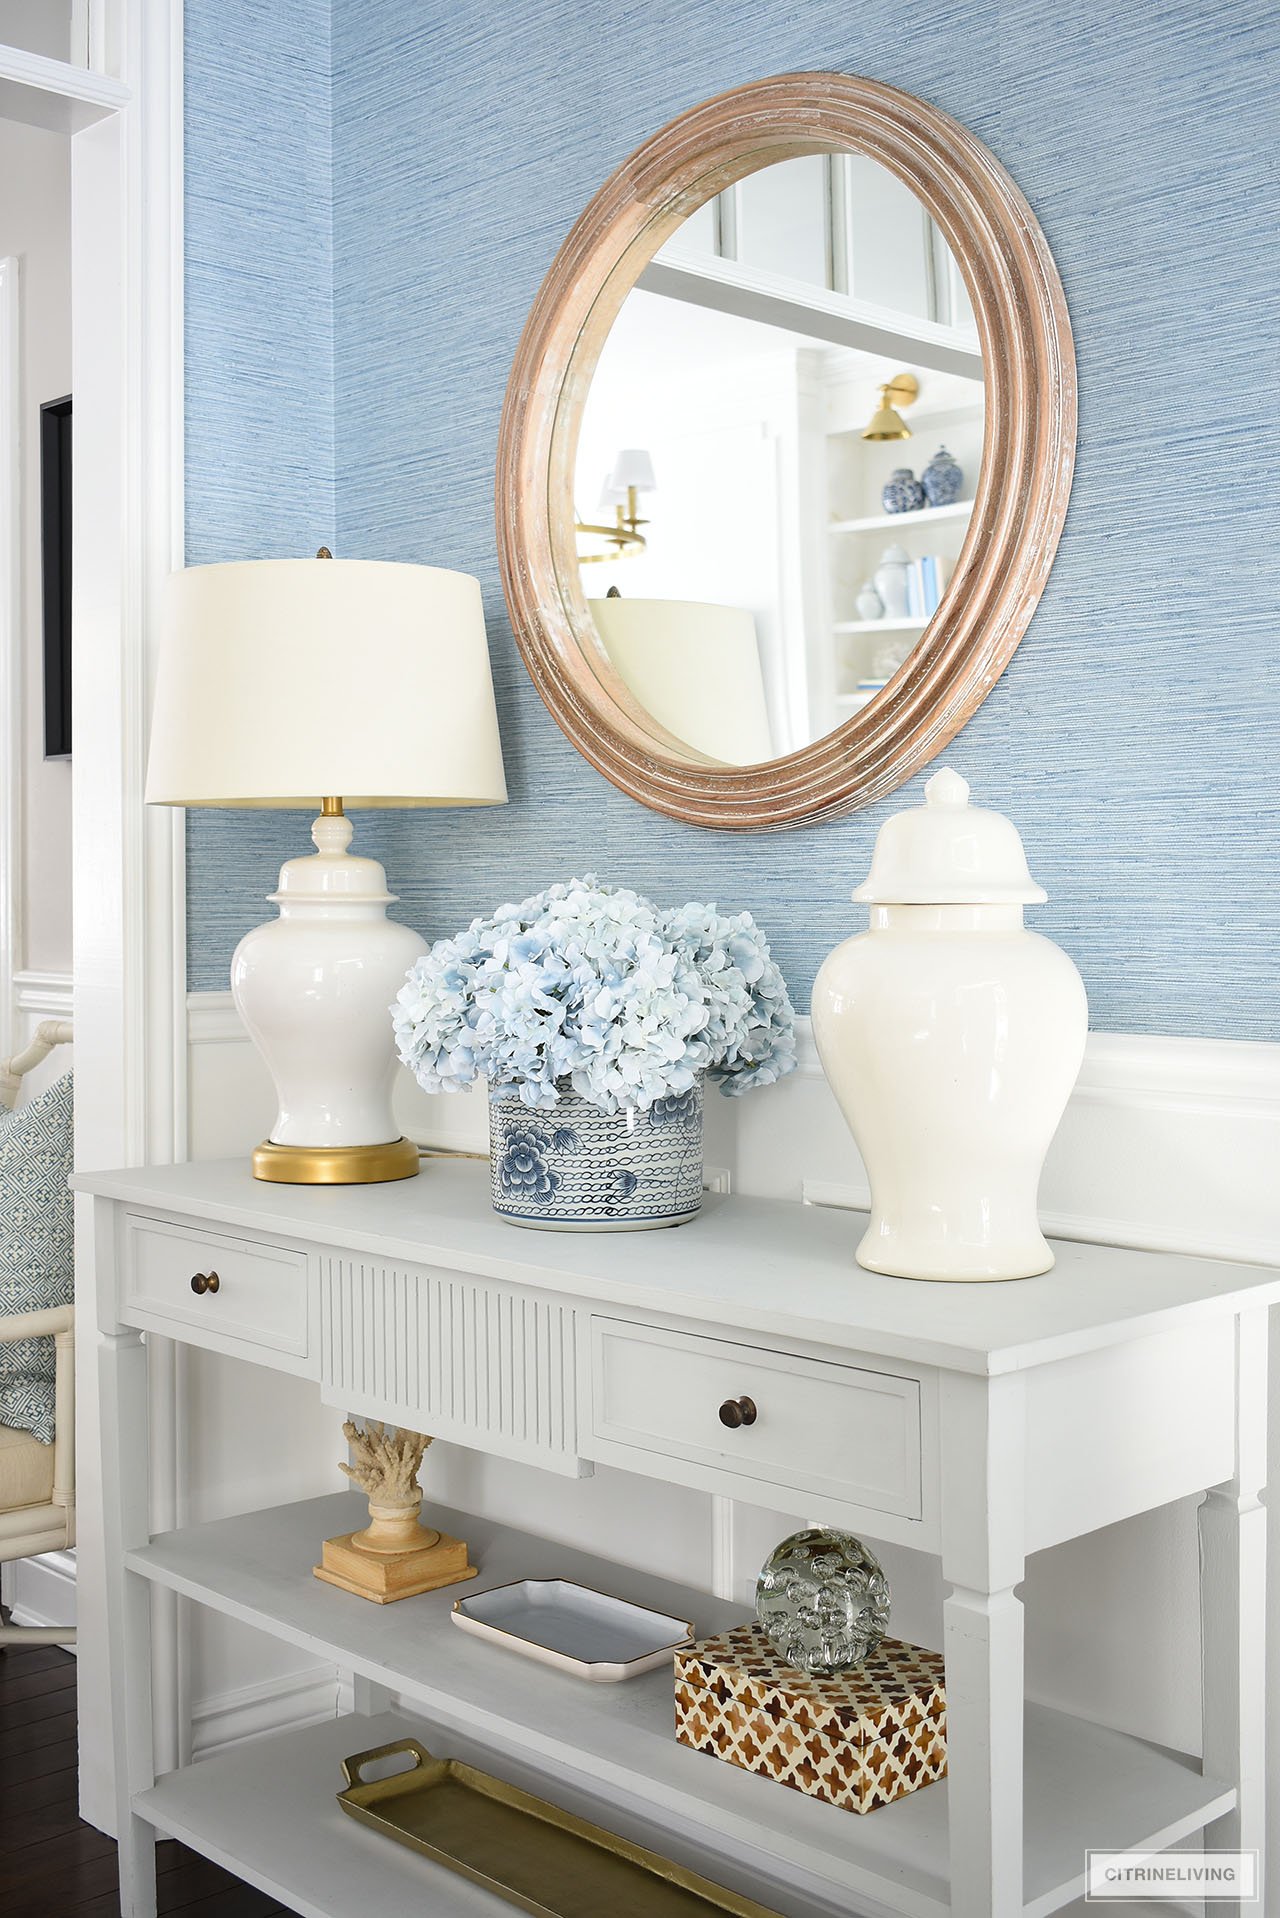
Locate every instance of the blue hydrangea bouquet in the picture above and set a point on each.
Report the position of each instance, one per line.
(594, 1016)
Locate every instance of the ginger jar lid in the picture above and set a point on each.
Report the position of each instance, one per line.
(948, 853)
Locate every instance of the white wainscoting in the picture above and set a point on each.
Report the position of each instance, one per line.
(1167, 1143)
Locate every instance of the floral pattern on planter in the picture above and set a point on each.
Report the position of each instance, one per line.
(597, 1171)
(522, 1171)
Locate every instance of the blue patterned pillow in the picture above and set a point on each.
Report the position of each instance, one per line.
(37, 1264)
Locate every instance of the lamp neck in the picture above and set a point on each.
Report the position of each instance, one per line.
(331, 832)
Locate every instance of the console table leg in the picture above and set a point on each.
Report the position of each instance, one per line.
(983, 1444)
(984, 1751)
(1233, 1554)
(122, 1374)
(369, 1697)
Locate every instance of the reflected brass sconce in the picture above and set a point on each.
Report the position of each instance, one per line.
(632, 475)
(886, 423)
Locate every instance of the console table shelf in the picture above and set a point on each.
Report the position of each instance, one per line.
(979, 1423)
(1084, 1783)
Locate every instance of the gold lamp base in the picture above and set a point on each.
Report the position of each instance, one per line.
(336, 1164)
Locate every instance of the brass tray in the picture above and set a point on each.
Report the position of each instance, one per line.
(533, 1854)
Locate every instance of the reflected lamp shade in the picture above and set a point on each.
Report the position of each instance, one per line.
(633, 467)
(695, 667)
(287, 683)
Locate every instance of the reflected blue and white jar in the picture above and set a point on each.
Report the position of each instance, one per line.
(902, 492)
(942, 478)
(577, 1169)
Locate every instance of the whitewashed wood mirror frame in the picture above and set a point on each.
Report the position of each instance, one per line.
(1022, 331)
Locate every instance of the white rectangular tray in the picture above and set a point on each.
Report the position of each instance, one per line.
(573, 1628)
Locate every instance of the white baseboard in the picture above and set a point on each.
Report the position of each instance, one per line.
(275, 1704)
(42, 1591)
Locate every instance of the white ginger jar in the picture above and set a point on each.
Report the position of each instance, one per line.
(952, 1037)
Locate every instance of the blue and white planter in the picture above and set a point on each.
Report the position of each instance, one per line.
(578, 1169)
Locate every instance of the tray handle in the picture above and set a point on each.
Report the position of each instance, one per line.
(351, 1767)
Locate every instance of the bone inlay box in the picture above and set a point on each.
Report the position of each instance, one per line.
(857, 1740)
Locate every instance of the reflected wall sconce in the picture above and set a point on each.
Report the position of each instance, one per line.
(632, 475)
(886, 423)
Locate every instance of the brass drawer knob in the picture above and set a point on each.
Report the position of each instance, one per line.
(736, 1412)
(206, 1282)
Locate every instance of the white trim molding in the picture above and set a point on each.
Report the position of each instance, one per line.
(10, 645)
(1167, 1145)
(45, 995)
(288, 1702)
(131, 1056)
(42, 1591)
(55, 94)
(212, 1020)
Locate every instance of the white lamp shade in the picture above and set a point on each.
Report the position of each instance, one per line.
(282, 681)
(633, 467)
(696, 668)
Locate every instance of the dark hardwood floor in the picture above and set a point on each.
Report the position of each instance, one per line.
(51, 1864)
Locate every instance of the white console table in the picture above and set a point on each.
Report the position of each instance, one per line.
(977, 1422)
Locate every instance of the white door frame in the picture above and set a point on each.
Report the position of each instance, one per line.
(10, 646)
(128, 862)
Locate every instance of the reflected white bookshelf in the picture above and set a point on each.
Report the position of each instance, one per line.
(924, 516)
(912, 625)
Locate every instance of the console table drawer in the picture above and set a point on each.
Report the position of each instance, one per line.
(221, 1292)
(806, 1425)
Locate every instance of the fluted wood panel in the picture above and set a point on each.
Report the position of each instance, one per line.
(453, 1355)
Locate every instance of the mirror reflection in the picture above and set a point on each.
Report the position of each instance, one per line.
(778, 457)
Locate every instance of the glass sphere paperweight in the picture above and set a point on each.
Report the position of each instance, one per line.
(823, 1601)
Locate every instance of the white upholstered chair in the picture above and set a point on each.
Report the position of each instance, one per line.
(37, 1482)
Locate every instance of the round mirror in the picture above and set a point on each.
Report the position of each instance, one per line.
(786, 452)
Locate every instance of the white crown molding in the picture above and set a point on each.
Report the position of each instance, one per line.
(44, 994)
(291, 1701)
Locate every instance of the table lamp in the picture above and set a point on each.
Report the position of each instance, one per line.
(344, 683)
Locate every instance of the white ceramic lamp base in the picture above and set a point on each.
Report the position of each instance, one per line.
(314, 988)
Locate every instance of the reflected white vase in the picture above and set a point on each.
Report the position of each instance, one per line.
(890, 581)
(952, 1037)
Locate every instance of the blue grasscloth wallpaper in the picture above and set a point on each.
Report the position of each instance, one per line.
(369, 219)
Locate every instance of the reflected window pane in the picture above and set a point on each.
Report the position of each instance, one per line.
(888, 256)
(696, 238)
(782, 220)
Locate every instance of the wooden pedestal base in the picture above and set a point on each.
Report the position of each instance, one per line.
(386, 1576)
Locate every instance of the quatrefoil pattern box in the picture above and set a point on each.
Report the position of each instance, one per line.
(857, 1740)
